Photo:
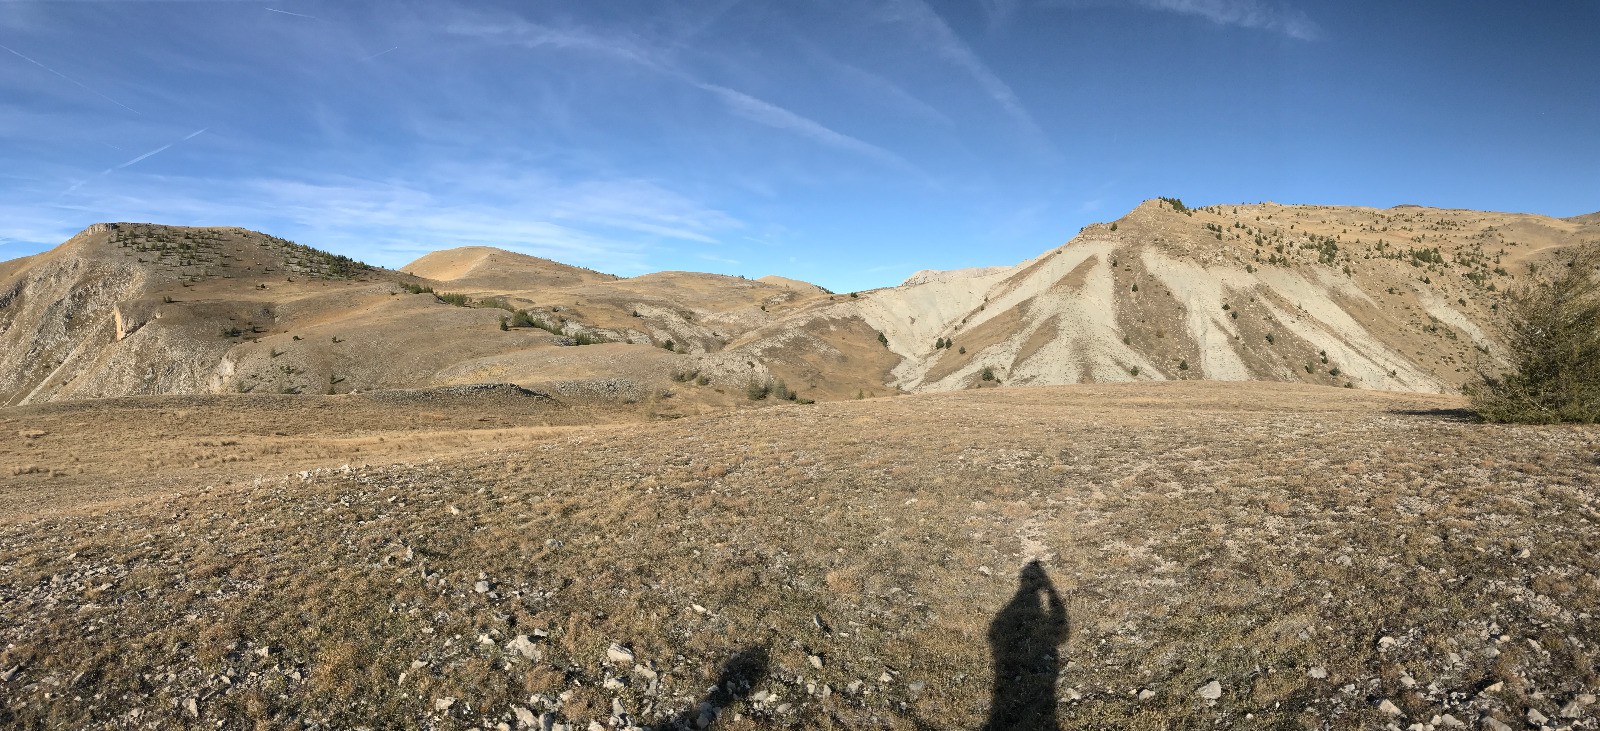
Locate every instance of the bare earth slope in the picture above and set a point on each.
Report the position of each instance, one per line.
(1208, 555)
(1395, 299)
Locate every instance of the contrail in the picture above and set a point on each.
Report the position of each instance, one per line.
(69, 78)
(136, 160)
(298, 15)
(380, 53)
(156, 151)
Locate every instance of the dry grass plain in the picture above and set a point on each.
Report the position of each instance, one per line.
(1329, 558)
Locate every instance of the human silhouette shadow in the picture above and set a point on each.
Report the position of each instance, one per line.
(1025, 637)
(739, 674)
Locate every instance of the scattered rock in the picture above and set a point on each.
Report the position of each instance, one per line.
(618, 654)
(1318, 672)
(1449, 721)
(192, 707)
(1389, 708)
(1496, 687)
(815, 661)
(1493, 724)
(1146, 694)
(443, 704)
(1535, 717)
(1574, 708)
(524, 647)
(1210, 691)
(6, 676)
(525, 716)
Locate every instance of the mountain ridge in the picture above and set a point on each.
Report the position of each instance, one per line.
(1394, 299)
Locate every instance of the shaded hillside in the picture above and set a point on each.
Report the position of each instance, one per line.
(1396, 299)
(134, 309)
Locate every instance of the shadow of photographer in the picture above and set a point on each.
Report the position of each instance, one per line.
(1025, 638)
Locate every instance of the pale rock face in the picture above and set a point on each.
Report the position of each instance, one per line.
(1334, 296)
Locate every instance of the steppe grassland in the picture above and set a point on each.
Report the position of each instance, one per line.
(1258, 535)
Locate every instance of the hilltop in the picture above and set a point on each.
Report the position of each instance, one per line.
(252, 484)
(1395, 299)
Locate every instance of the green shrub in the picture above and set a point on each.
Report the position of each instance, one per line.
(417, 288)
(1183, 364)
(988, 373)
(459, 300)
(883, 340)
(757, 390)
(1552, 331)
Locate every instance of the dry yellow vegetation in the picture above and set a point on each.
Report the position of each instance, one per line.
(1208, 554)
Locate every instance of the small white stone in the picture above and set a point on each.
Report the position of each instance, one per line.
(1146, 694)
(443, 704)
(815, 661)
(1210, 691)
(1493, 724)
(1318, 672)
(619, 654)
(1389, 708)
(524, 647)
(1535, 717)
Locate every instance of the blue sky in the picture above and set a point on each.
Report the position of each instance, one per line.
(846, 142)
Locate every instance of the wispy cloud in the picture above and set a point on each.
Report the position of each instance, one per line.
(631, 50)
(936, 35)
(75, 82)
(136, 160)
(380, 53)
(1244, 14)
(1254, 14)
(610, 224)
(772, 115)
(297, 15)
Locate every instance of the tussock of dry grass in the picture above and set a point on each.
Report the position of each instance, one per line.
(1194, 532)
